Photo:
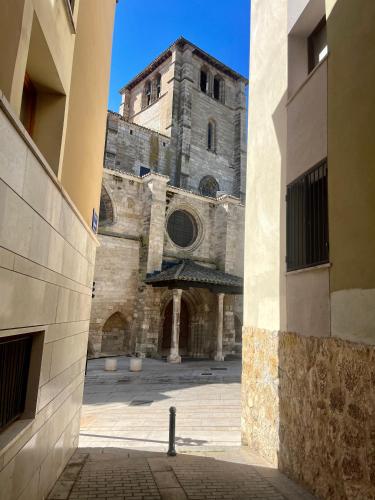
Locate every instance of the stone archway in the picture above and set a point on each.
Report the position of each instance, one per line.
(184, 329)
(114, 334)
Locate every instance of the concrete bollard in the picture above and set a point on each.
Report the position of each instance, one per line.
(135, 364)
(110, 365)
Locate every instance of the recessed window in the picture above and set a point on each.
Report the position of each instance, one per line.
(307, 219)
(131, 132)
(158, 86)
(208, 186)
(28, 104)
(203, 81)
(15, 355)
(211, 136)
(182, 228)
(317, 45)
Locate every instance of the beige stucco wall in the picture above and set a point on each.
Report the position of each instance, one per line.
(264, 236)
(46, 266)
(35, 31)
(351, 110)
(307, 297)
(86, 119)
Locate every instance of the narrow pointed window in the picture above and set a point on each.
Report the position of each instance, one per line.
(203, 81)
(158, 86)
(148, 93)
(211, 136)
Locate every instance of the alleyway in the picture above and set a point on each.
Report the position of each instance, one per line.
(124, 437)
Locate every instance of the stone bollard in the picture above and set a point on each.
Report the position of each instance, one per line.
(110, 365)
(135, 364)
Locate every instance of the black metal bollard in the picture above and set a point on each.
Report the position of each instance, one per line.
(172, 432)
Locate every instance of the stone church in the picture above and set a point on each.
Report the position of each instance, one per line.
(168, 277)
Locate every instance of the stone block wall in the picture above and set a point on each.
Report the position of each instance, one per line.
(47, 255)
(309, 405)
(136, 242)
(129, 146)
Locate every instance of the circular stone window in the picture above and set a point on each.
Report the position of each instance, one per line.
(182, 228)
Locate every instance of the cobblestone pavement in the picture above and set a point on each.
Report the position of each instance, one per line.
(123, 441)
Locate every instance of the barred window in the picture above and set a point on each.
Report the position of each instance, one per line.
(15, 355)
(182, 228)
(307, 219)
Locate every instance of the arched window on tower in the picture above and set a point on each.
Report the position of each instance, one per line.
(158, 86)
(211, 136)
(146, 97)
(204, 81)
(218, 88)
(209, 186)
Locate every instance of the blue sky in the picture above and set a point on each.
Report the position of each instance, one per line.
(145, 28)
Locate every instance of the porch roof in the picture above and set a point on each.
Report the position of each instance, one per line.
(189, 274)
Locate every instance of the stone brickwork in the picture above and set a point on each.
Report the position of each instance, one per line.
(163, 125)
(47, 255)
(130, 146)
(309, 405)
(135, 242)
(182, 112)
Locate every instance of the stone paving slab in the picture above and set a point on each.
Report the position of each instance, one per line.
(124, 474)
(208, 410)
(122, 452)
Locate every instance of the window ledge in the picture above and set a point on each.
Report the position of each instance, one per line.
(308, 77)
(69, 15)
(327, 265)
(14, 432)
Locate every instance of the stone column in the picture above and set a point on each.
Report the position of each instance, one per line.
(174, 356)
(220, 318)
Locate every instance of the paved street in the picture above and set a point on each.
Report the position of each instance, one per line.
(124, 438)
(125, 409)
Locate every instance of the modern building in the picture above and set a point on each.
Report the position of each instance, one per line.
(52, 133)
(168, 275)
(309, 289)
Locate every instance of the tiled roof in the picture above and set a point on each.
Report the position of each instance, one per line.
(189, 271)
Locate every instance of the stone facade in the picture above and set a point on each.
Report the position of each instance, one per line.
(135, 242)
(181, 111)
(309, 405)
(159, 159)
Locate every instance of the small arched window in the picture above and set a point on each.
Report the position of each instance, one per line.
(211, 136)
(148, 93)
(209, 186)
(204, 81)
(158, 86)
(146, 98)
(218, 89)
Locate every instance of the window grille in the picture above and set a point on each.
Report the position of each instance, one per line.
(182, 228)
(307, 219)
(14, 371)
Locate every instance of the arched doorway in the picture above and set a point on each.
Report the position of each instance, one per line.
(113, 339)
(184, 328)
